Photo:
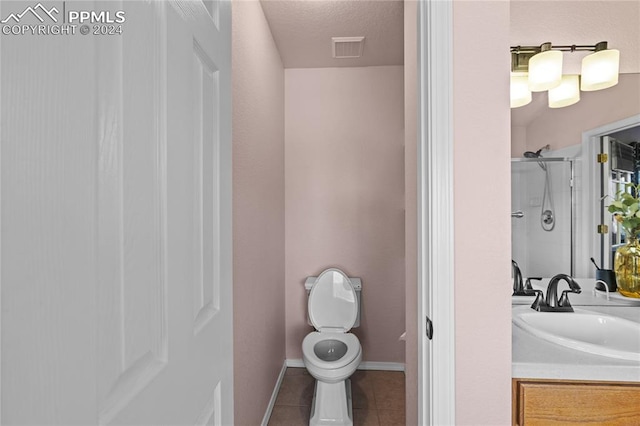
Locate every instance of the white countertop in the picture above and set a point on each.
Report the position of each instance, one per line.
(534, 358)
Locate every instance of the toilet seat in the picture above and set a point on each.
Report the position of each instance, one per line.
(311, 339)
(333, 303)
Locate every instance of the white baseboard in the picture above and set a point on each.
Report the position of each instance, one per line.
(382, 366)
(295, 363)
(274, 394)
(364, 365)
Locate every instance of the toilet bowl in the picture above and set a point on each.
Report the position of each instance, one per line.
(331, 357)
(331, 354)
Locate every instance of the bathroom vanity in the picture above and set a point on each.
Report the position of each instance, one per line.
(554, 384)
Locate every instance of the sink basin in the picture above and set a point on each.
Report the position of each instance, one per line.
(585, 331)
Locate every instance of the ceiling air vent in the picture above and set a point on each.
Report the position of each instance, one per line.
(347, 47)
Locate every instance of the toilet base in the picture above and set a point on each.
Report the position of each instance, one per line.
(332, 404)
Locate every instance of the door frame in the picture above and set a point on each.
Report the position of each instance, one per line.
(436, 357)
(591, 179)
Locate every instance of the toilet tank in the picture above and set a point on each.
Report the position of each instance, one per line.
(357, 286)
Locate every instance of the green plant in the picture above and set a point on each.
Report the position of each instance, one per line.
(626, 208)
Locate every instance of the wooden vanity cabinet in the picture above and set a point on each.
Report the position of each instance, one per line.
(562, 402)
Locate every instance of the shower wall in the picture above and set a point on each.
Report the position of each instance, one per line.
(541, 253)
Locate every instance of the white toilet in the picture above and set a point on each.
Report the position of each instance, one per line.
(331, 354)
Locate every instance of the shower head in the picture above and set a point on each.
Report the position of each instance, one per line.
(531, 154)
(537, 154)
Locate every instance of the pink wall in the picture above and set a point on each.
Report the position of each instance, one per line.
(349, 121)
(563, 127)
(518, 141)
(345, 196)
(258, 212)
(411, 208)
(481, 118)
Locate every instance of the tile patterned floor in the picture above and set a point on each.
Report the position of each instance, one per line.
(378, 398)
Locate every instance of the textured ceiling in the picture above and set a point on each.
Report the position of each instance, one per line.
(302, 30)
(575, 22)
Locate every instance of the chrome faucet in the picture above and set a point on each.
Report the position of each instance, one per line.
(551, 302)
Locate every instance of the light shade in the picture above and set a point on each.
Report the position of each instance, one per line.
(520, 93)
(545, 70)
(600, 70)
(567, 93)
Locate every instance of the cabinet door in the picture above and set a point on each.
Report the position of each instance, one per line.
(566, 402)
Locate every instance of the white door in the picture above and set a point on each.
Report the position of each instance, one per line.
(115, 167)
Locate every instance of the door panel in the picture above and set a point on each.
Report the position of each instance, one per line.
(116, 220)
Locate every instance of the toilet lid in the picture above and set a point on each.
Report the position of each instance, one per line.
(332, 302)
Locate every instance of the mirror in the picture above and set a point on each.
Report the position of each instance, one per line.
(563, 186)
(535, 125)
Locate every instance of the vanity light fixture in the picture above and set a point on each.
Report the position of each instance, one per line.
(543, 67)
(600, 69)
(567, 93)
(520, 93)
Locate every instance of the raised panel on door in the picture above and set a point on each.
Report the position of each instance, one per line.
(132, 327)
(213, 8)
(206, 175)
(210, 120)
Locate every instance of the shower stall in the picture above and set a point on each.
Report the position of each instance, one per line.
(542, 215)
